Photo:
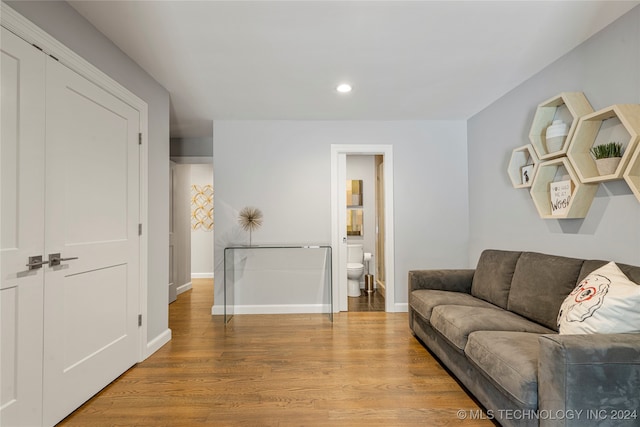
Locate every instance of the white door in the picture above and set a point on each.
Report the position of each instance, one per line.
(22, 231)
(92, 203)
(173, 260)
(342, 226)
(380, 227)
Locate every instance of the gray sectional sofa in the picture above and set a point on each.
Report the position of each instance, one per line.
(494, 328)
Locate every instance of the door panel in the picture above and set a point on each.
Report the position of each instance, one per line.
(95, 170)
(380, 221)
(98, 298)
(173, 260)
(9, 154)
(91, 303)
(342, 226)
(22, 230)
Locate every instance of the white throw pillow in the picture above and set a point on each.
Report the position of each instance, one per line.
(605, 302)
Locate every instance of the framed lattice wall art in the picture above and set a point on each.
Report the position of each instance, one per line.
(202, 207)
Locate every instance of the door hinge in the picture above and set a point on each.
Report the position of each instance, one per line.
(139, 319)
(139, 229)
(139, 138)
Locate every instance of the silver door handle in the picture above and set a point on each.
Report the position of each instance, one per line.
(56, 259)
(36, 262)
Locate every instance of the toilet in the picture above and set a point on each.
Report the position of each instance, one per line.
(355, 269)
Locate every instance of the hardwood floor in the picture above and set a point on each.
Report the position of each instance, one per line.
(366, 302)
(365, 369)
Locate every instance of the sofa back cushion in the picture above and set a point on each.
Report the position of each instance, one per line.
(492, 278)
(631, 271)
(540, 284)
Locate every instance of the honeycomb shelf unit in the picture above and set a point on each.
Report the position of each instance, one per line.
(617, 123)
(576, 105)
(522, 156)
(581, 196)
(632, 174)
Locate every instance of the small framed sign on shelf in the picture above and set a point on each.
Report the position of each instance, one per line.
(560, 193)
(526, 174)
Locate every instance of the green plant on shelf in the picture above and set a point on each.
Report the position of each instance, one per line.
(605, 151)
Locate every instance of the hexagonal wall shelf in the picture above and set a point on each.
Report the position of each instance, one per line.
(581, 196)
(593, 129)
(632, 173)
(576, 104)
(520, 157)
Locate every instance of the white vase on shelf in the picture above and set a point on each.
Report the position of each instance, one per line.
(556, 135)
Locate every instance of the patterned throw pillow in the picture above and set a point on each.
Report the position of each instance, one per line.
(605, 302)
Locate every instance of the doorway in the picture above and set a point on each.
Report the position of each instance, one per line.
(191, 232)
(384, 154)
(365, 213)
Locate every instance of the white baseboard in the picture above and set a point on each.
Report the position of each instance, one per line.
(157, 343)
(273, 309)
(401, 307)
(183, 288)
(202, 275)
(218, 310)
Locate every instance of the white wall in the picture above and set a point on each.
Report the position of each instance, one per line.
(63, 23)
(607, 69)
(284, 168)
(364, 168)
(202, 240)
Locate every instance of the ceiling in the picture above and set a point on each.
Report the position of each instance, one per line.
(269, 60)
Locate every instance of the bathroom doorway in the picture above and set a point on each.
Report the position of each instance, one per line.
(377, 224)
(364, 213)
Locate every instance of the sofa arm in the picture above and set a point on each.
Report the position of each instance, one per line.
(589, 380)
(443, 280)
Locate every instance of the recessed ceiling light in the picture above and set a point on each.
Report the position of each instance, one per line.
(344, 88)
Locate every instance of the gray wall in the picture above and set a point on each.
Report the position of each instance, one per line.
(191, 147)
(607, 69)
(63, 23)
(284, 168)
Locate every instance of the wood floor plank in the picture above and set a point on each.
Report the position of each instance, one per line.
(365, 369)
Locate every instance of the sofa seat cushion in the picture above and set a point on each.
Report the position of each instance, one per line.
(509, 360)
(424, 300)
(456, 322)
